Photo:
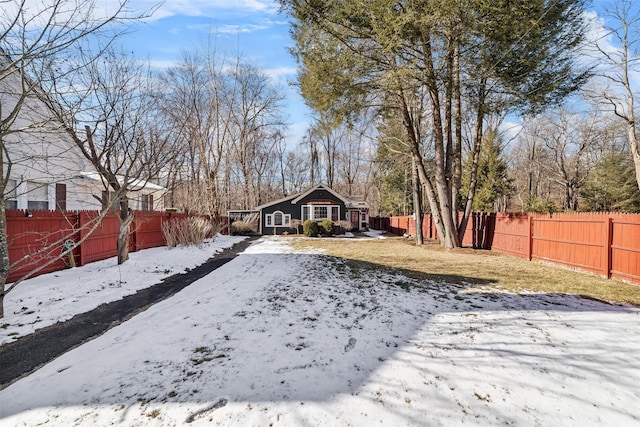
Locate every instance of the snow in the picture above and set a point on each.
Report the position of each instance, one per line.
(374, 233)
(55, 297)
(279, 337)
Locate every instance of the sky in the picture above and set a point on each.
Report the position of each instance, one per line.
(293, 338)
(258, 32)
(252, 28)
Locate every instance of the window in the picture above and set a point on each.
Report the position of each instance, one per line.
(11, 195)
(37, 196)
(61, 197)
(146, 202)
(277, 219)
(320, 212)
(335, 213)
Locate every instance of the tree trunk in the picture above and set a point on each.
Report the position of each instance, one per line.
(473, 173)
(449, 239)
(634, 148)
(126, 218)
(417, 202)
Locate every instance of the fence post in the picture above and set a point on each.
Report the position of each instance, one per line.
(530, 248)
(607, 246)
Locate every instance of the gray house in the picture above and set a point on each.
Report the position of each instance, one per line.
(318, 203)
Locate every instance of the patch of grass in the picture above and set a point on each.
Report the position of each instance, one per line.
(474, 267)
(153, 414)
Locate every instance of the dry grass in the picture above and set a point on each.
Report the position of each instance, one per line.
(477, 267)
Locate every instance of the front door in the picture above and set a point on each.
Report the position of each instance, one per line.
(355, 219)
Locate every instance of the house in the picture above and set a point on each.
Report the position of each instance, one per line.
(46, 170)
(318, 203)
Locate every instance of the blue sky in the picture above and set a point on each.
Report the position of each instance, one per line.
(252, 28)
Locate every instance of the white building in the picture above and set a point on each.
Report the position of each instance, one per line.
(46, 169)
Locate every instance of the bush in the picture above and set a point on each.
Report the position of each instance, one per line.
(542, 206)
(241, 228)
(345, 226)
(187, 231)
(296, 223)
(310, 228)
(327, 227)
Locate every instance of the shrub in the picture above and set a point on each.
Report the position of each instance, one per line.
(187, 231)
(542, 206)
(310, 228)
(241, 228)
(296, 223)
(345, 226)
(327, 227)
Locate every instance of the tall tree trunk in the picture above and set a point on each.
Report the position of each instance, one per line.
(473, 173)
(635, 149)
(449, 239)
(457, 173)
(417, 202)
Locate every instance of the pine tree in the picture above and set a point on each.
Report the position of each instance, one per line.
(494, 184)
(612, 186)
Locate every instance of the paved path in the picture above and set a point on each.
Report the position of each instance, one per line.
(22, 357)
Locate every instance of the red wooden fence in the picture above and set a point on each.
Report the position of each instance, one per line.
(601, 243)
(34, 240)
(38, 237)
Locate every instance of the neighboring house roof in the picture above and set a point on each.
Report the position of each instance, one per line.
(295, 198)
(136, 184)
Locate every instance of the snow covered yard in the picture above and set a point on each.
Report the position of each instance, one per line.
(276, 337)
(55, 297)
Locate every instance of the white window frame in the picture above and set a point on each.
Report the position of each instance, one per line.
(34, 194)
(270, 220)
(312, 212)
(335, 208)
(11, 196)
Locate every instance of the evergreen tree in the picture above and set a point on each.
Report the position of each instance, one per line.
(612, 186)
(494, 184)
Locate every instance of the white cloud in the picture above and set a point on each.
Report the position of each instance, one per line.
(230, 29)
(163, 64)
(281, 72)
(205, 8)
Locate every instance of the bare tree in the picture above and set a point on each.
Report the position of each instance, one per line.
(624, 60)
(256, 108)
(108, 109)
(196, 102)
(33, 40)
(569, 138)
